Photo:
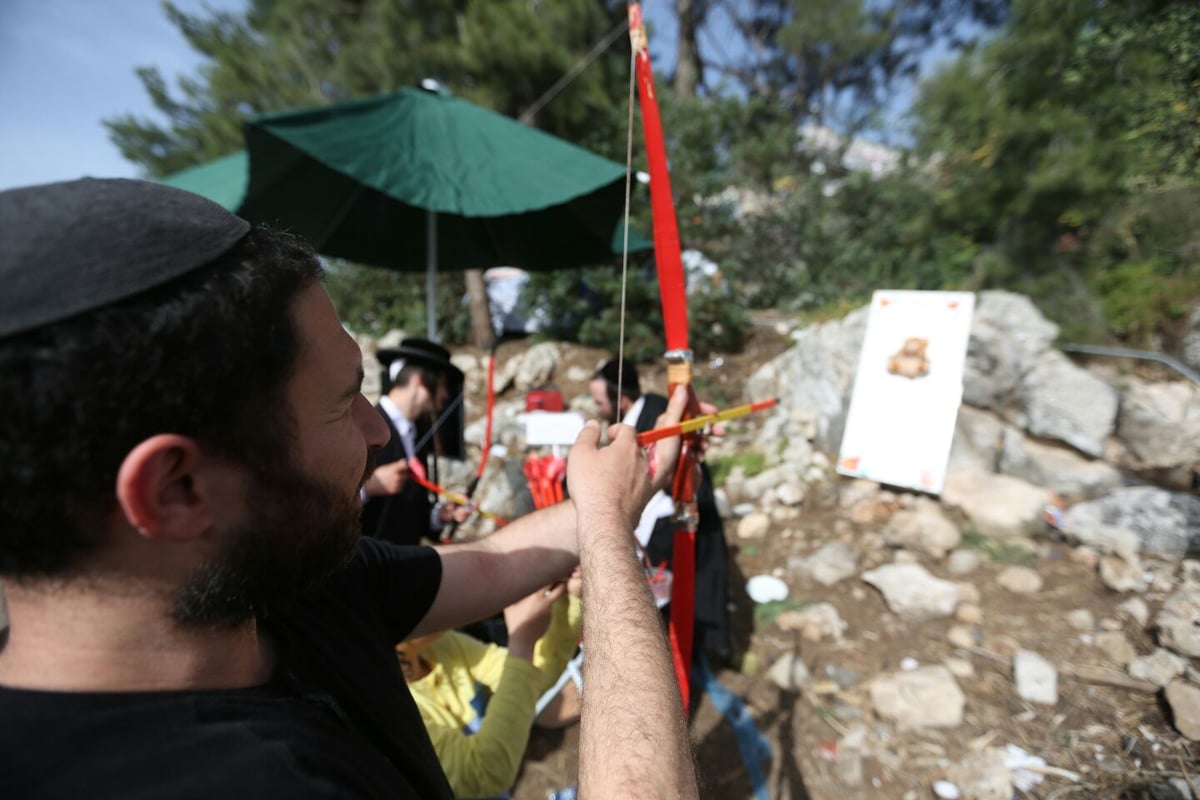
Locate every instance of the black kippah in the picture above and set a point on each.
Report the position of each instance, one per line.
(629, 376)
(67, 248)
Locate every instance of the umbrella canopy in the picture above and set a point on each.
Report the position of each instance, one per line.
(223, 180)
(359, 179)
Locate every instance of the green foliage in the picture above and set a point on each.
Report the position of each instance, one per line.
(752, 463)
(767, 613)
(1069, 149)
(998, 550)
(375, 301)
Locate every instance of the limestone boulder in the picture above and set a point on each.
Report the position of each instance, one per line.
(1060, 469)
(1166, 523)
(927, 697)
(998, 506)
(814, 376)
(924, 528)
(1065, 402)
(1008, 334)
(1160, 424)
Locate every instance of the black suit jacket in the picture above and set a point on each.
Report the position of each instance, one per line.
(712, 564)
(401, 518)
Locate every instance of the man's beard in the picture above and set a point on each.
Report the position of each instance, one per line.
(300, 531)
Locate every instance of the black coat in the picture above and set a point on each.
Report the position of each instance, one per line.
(712, 557)
(401, 518)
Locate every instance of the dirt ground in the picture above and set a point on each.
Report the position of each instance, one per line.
(1099, 740)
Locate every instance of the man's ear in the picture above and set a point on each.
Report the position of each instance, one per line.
(161, 493)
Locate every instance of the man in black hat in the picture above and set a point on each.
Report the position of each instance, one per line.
(421, 383)
(617, 395)
(193, 613)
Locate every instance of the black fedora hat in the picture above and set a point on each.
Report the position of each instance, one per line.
(421, 352)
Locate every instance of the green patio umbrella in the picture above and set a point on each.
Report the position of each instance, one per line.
(223, 180)
(420, 179)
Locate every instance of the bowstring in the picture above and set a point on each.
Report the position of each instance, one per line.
(625, 232)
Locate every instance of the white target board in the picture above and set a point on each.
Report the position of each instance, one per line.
(908, 388)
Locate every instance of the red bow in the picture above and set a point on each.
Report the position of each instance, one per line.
(673, 289)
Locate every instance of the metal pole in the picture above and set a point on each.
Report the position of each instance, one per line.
(1143, 355)
(431, 275)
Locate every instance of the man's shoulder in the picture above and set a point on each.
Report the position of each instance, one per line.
(653, 405)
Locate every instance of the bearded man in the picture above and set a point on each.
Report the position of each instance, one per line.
(192, 611)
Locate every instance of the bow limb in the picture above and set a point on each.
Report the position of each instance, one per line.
(452, 528)
(673, 289)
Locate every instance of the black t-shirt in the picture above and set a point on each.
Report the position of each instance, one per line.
(336, 721)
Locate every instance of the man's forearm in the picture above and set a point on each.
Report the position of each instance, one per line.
(634, 740)
(482, 577)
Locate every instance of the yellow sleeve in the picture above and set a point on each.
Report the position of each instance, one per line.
(557, 646)
(485, 763)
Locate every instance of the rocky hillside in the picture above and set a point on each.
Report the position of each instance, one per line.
(1034, 629)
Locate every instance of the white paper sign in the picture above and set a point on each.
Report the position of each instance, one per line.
(908, 388)
(552, 427)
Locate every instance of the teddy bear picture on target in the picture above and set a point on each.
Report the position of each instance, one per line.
(910, 360)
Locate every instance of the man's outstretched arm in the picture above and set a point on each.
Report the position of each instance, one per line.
(480, 578)
(634, 739)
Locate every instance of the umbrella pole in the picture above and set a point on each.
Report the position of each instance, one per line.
(431, 274)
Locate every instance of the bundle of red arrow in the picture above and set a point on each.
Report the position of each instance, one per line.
(545, 475)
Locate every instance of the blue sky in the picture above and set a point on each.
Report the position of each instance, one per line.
(67, 64)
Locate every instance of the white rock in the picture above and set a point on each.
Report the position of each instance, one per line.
(945, 790)
(1184, 700)
(1178, 621)
(998, 506)
(1135, 609)
(744, 509)
(912, 593)
(924, 528)
(961, 636)
(983, 776)
(1191, 344)
(1008, 334)
(1189, 571)
(1122, 575)
(967, 593)
(927, 697)
(1114, 539)
(978, 437)
(1020, 580)
(1067, 403)
(753, 526)
(963, 562)
(789, 673)
(813, 377)
(1160, 667)
(959, 667)
(1116, 647)
(1160, 423)
(791, 493)
(1037, 679)
(1166, 523)
(1059, 469)
(833, 562)
(1081, 620)
(815, 623)
(968, 614)
(533, 368)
